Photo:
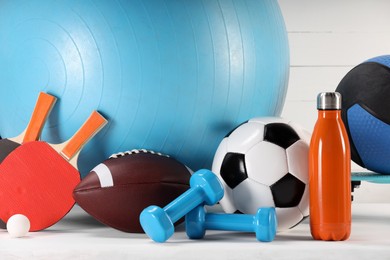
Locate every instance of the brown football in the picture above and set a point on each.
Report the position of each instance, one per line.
(118, 189)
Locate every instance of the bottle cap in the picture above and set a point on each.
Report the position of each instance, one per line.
(329, 101)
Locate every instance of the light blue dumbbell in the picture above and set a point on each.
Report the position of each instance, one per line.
(205, 189)
(264, 223)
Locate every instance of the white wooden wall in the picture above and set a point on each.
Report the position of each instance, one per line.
(327, 39)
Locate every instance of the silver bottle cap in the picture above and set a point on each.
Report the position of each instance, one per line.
(329, 101)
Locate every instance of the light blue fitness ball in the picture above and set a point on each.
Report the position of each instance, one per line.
(173, 76)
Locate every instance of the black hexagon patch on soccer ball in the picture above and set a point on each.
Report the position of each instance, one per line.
(288, 191)
(233, 169)
(280, 134)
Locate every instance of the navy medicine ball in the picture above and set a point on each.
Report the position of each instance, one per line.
(365, 93)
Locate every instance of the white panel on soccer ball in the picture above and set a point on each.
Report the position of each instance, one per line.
(298, 160)
(266, 163)
(227, 201)
(268, 120)
(219, 156)
(249, 196)
(305, 203)
(288, 218)
(245, 137)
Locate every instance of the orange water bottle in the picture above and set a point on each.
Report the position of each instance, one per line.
(330, 172)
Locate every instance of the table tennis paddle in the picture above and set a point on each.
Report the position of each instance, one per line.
(37, 179)
(43, 107)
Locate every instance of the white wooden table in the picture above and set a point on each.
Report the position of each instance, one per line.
(79, 236)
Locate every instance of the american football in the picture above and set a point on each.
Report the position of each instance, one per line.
(118, 189)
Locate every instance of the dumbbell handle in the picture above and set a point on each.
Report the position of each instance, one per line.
(184, 203)
(232, 222)
(263, 223)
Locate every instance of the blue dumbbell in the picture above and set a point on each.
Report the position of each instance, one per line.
(264, 223)
(205, 189)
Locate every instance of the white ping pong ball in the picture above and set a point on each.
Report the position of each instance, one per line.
(18, 225)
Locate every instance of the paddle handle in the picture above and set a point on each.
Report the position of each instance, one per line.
(42, 109)
(89, 129)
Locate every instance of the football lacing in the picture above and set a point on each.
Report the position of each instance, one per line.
(135, 151)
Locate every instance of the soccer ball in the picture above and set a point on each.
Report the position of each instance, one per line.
(264, 163)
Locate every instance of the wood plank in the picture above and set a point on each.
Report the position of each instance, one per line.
(336, 16)
(306, 82)
(336, 49)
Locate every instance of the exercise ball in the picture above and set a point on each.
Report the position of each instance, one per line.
(171, 76)
(365, 94)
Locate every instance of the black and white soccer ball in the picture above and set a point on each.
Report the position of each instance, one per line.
(264, 163)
